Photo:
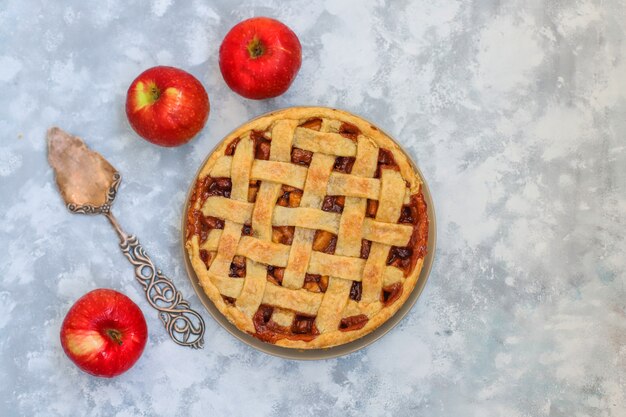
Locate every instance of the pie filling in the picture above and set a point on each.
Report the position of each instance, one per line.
(302, 326)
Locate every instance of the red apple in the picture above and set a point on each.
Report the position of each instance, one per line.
(260, 57)
(104, 333)
(167, 106)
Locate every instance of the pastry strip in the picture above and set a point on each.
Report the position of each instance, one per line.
(312, 196)
(282, 137)
(226, 249)
(227, 209)
(240, 176)
(251, 294)
(389, 233)
(335, 299)
(353, 186)
(391, 275)
(263, 251)
(280, 172)
(372, 282)
(344, 267)
(354, 308)
(350, 225)
(301, 300)
(299, 258)
(212, 240)
(263, 208)
(230, 287)
(283, 317)
(389, 206)
(221, 168)
(240, 169)
(310, 218)
(392, 190)
(280, 150)
(275, 171)
(324, 142)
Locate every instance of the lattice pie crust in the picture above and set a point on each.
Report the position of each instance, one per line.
(307, 227)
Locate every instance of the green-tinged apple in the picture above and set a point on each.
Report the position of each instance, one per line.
(167, 106)
(260, 57)
(104, 333)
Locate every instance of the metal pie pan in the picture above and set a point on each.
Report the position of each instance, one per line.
(332, 352)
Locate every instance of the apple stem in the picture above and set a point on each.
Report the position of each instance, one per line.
(154, 91)
(256, 48)
(116, 335)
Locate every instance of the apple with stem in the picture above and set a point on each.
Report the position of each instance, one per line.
(167, 106)
(104, 333)
(260, 57)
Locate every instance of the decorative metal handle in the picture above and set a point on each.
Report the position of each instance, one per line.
(184, 325)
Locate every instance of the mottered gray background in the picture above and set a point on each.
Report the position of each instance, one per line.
(515, 112)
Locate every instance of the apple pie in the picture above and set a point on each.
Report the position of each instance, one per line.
(307, 227)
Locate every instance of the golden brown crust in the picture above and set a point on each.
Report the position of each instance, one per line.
(331, 306)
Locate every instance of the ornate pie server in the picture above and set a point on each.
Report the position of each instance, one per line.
(88, 185)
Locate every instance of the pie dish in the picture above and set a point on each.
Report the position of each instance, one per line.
(307, 227)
